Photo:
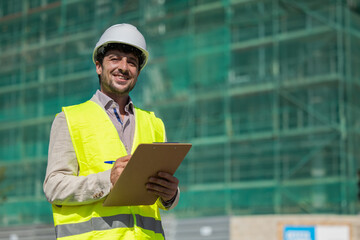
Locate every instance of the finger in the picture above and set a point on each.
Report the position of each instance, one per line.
(163, 182)
(160, 191)
(166, 193)
(119, 165)
(122, 162)
(169, 177)
(158, 188)
(124, 159)
(164, 196)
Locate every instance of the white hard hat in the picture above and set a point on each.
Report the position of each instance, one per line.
(126, 34)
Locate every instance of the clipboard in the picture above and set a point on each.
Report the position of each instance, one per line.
(147, 161)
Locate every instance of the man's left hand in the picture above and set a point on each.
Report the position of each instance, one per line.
(164, 185)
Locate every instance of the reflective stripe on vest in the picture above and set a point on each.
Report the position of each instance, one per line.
(102, 223)
(95, 139)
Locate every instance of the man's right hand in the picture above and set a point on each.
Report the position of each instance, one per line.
(118, 168)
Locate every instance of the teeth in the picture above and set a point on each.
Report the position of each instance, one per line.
(121, 77)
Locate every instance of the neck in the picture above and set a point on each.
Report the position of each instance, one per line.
(121, 100)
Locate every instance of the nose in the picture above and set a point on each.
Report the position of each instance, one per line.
(123, 65)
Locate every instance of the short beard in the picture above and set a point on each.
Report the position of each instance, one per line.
(111, 89)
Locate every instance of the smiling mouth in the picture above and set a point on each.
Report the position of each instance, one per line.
(121, 77)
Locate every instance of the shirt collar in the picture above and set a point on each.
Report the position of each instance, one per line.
(107, 102)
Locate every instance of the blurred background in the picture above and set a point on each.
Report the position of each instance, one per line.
(267, 91)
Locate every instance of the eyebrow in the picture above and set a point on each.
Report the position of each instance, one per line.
(128, 55)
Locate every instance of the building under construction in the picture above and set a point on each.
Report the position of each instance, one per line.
(266, 91)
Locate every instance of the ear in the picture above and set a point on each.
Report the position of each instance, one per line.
(98, 68)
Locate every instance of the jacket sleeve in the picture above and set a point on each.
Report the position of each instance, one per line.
(62, 185)
(170, 204)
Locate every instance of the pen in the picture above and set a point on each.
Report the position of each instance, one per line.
(109, 162)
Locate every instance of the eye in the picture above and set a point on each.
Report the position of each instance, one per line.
(132, 63)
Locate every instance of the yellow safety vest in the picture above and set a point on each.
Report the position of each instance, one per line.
(95, 140)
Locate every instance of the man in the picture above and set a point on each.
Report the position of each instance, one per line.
(107, 127)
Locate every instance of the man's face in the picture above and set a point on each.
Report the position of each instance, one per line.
(118, 72)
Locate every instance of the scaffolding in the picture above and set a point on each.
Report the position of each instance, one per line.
(265, 90)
